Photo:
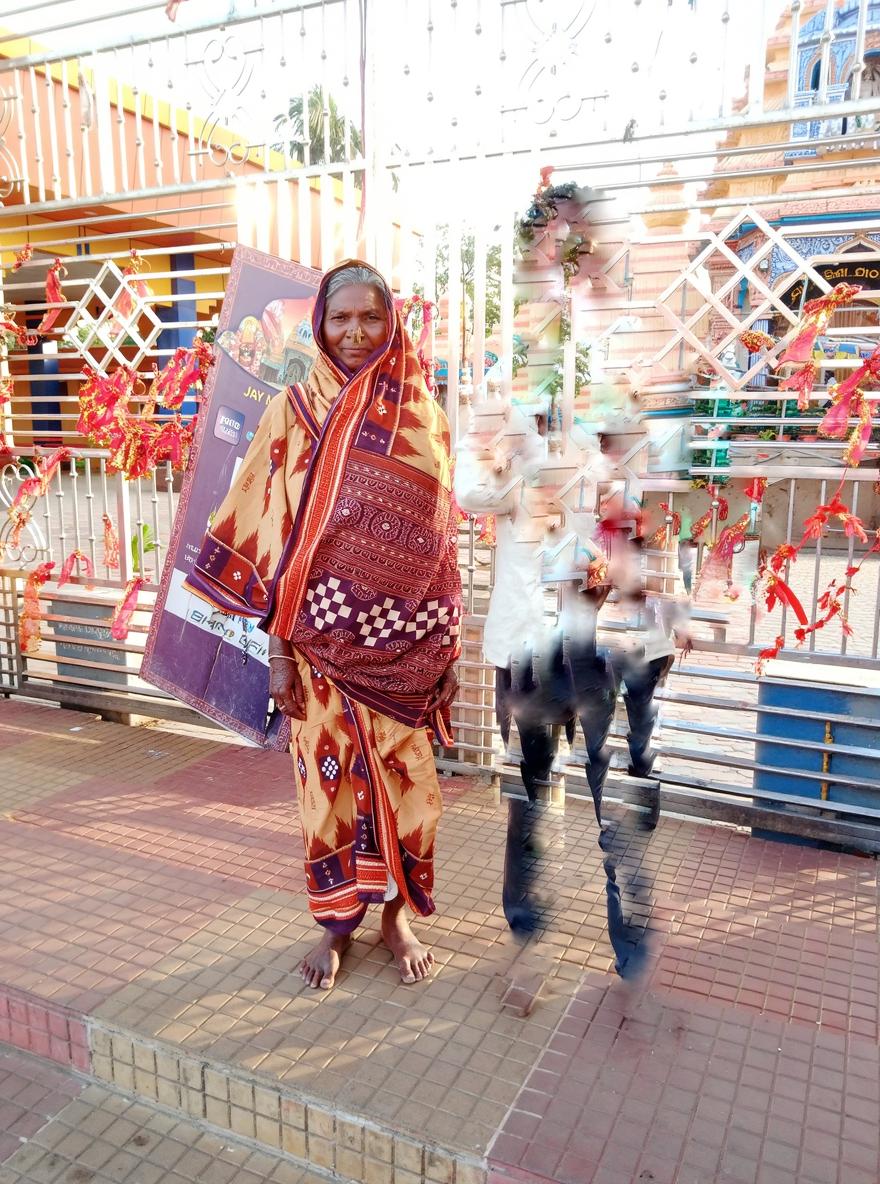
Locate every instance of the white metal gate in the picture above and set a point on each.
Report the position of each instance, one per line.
(413, 134)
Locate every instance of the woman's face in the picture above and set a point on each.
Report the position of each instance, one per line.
(355, 324)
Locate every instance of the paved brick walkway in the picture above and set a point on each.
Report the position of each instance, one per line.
(72, 1132)
(153, 918)
(32, 1092)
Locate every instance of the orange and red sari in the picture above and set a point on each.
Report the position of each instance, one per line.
(339, 533)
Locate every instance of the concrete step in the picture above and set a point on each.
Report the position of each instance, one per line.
(63, 1125)
(203, 1093)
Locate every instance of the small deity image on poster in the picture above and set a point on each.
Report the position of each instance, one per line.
(277, 345)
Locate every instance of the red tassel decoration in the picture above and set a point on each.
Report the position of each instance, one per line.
(405, 306)
(817, 314)
(19, 517)
(15, 334)
(802, 381)
(867, 373)
(123, 306)
(31, 614)
(657, 541)
(54, 296)
(860, 437)
(718, 563)
(23, 256)
(122, 614)
(36, 487)
(699, 527)
(111, 544)
(756, 489)
(779, 591)
(754, 340)
(103, 403)
(67, 569)
(766, 655)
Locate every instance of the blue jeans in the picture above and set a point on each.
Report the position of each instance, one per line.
(581, 681)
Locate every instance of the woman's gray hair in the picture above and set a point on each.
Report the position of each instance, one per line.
(356, 275)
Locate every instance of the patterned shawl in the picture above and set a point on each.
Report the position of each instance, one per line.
(339, 531)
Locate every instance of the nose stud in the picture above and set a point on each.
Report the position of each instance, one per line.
(358, 335)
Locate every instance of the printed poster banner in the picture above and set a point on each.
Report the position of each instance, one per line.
(210, 660)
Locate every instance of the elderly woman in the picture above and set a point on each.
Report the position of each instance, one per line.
(339, 532)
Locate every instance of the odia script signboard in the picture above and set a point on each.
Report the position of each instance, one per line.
(215, 662)
(863, 274)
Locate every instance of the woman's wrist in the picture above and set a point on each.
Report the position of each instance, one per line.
(279, 647)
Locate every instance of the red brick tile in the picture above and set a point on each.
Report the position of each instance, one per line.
(575, 1169)
(540, 1160)
(508, 1149)
(521, 1124)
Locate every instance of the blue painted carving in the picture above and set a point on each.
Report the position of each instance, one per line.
(745, 253)
(810, 246)
(844, 19)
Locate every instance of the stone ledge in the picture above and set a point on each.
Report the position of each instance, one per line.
(232, 1100)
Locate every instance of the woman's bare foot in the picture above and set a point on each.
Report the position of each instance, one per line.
(321, 965)
(412, 959)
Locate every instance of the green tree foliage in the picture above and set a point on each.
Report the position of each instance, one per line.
(290, 126)
(468, 276)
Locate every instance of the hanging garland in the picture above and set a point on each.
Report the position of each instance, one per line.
(122, 614)
(771, 589)
(848, 400)
(427, 308)
(111, 543)
(756, 489)
(12, 333)
(123, 304)
(698, 529)
(67, 568)
(139, 442)
(718, 564)
(31, 614)
(31, 490)
(54, 296)
(755, 340)
(815, 320)
(23, 256)
(657, 541)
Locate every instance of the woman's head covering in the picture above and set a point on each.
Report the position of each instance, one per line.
(350, 271)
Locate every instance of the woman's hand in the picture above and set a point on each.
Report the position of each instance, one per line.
(286, 687)
(445, 690)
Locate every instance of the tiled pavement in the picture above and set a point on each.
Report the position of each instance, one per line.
(153, 917)
(72, 1132)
